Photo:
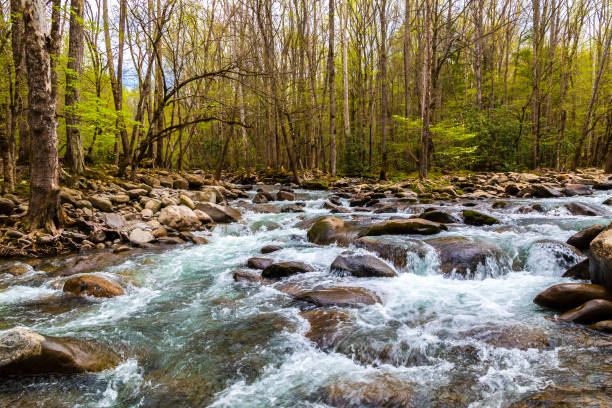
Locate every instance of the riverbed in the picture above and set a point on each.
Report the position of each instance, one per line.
(192, 337)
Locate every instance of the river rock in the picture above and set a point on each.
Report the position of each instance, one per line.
(391, 251)
(361, 266)
(185, 200)
(139, 236)
(283, 195)
(179, 217)
(91, 263)
(137, 192)
(328, 230)
(592, 311)
(380, 390)
(582, 239)
(566, 296)
(600, 259)
(341, 296)
(26, 352)
(6, 206)
(476, 218)
(220, 213)
(194, 182)
(260, 199)
(564, 254)
(153, 205)
(565, 397)
(180, 183)
(539, 191)
(101, 203)
(416, 226)
(246, 276)
(577, 208)
(270, 248)
(439, 216)
(92, 285)
(203, 217)
(579, 271)
(259, 263)
(285, 269)
(571, 190)
(602, 326)
(463, 256)
(120, 198)
(327, 326)
(608, 201)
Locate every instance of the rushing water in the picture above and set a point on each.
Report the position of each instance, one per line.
(190, 336)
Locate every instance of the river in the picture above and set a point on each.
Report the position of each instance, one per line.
(192, 337)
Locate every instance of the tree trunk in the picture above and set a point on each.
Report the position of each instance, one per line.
(587, 120)
(407, 47)
(345, 81)
(535, 82)
(331, 78)
(74, 142)
(383, 88)
(20, 87)
(426, 102)
(44, 209)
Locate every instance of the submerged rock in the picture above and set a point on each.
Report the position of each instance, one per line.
(270, 248)
(602, 326)
(564, 255)
(394, 252)
(565, 296)
(476, 218)
(565, 397)
(327, 326)
(592, 311)
(26, 352)
(361, 266)
(405, 226)
(600, 259)
(582, 239)
(342, 296)
(285, 269)
(92, 285)
(463, 256)
(380, 390)
(91, 263)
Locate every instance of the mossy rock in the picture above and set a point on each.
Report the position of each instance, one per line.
(476, 218)
(315, 185)
(500, 204)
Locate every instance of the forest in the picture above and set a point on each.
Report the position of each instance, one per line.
(350, 87)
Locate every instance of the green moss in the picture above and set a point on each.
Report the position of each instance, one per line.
(472, 217)
(315, 185)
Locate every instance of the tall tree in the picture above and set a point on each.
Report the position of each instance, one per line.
(426, 99)
(44, 211)
(383, 88)
(331, 79)
(74, 142)
(20, 86)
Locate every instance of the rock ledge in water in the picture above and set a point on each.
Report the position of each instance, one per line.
(566, 296)
(361, 266)
(285, 269)
(25, 352)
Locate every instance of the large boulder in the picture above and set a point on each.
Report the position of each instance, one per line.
(476, 218)
(539, 191)
(590, 312)
(25, 352)
(600, 259)
(285, 269)
(465, 257)
(328, 230)
(179, 217)
(374, 390)
(416, 226)
(92, 285)
(341, 296)
(571, 190)
(566, 296)
(246, 277)
(283, 195)
(395, 252)
(579, 271)
(194, 181)
(220, 213)
(582, 239)
(361, 266)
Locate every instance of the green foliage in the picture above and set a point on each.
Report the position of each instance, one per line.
(351, 157)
